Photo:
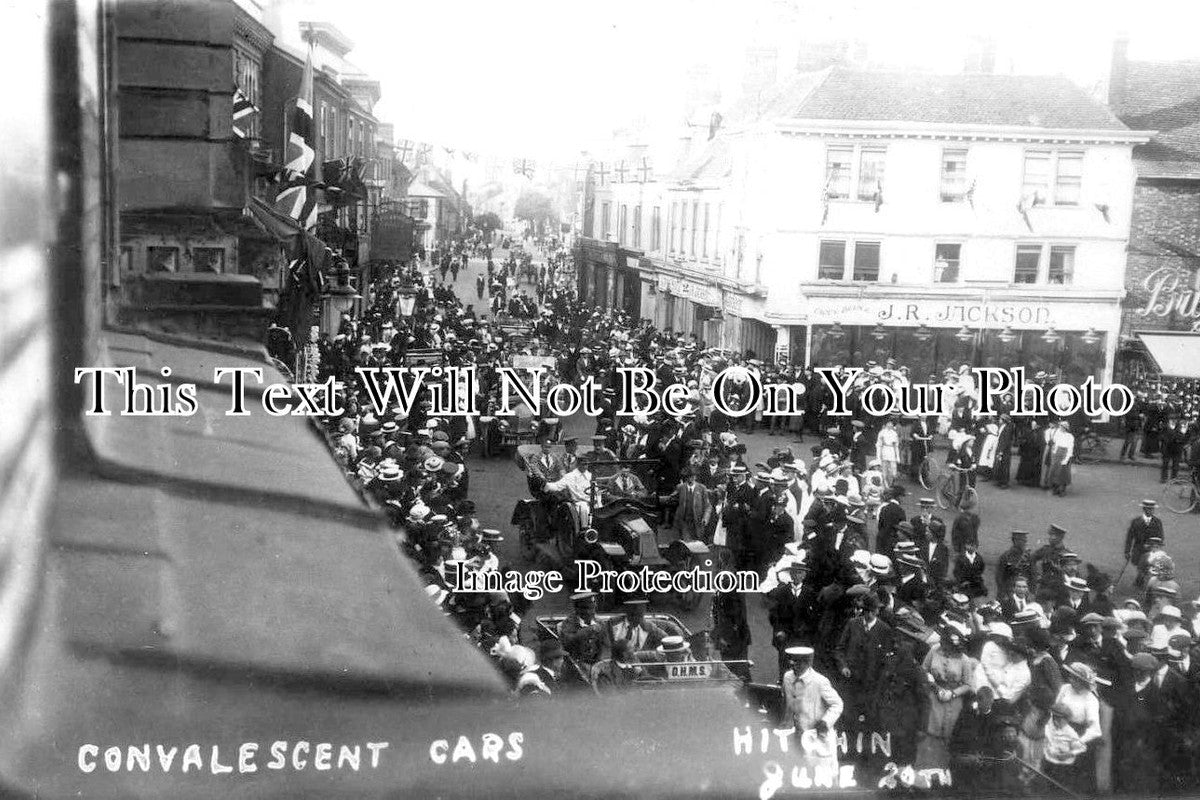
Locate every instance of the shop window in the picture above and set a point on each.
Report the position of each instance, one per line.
(674, 225)
(1062, 265)
(126, 262)
(622, 221)
(704, 238)
(208, 259)
(832, 264)
(954, 175)
(838, 162)
(870, 172)
(162, 259)
(946, 263)
(1028, 263)
(866, 261)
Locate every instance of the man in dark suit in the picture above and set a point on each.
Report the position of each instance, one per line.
(935, 553)
(793, 609)
(1002, 465)
(633, 628)
(921, 441)
(859, 659)
(1140, 530)
(1015, 598)
(1172, 440)
(920, 521)
(891, 514)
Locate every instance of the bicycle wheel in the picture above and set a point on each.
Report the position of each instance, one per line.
(946, 491)
(970, 498)
(1089, 450)
(928, 472)
(1179, 495)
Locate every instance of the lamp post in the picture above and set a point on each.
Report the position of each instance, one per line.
(406, 300)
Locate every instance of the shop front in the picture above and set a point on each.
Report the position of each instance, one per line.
(1068, 338)
(1161, 326)
(686, 306)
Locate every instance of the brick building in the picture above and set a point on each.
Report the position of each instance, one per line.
(1163, 265)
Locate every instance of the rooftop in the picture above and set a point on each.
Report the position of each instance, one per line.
(1030, 101)
(1164, 96)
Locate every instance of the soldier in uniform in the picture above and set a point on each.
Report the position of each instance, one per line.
(1141, 529)
(582, 634)
(1016, 561)
(1047, 564)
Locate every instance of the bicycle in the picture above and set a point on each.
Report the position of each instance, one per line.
(953, 489)
(1182, 494)
(929, 472)
(1090, 447)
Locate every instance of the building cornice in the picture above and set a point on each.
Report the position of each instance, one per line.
(257, 35)
(898, 129)
(960, 290)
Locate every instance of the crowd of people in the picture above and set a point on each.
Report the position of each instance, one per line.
(1043, 672)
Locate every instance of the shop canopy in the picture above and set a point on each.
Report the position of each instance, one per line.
(1177, 354)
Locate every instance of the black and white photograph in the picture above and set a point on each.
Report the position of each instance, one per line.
(662, 399)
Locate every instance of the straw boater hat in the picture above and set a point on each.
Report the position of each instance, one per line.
(674, 644)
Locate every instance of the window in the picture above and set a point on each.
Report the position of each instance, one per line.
(832, 263)
(1062, 265)
(866, 261)
(1029, 258)
(695, 225)
(655, 228)
(622, 221)
(945, 262)
(605, 220)
(838, 161)
(704, 238)
(1037, 175)
(208, 259)
(247, 76)
(637, 226)
(954, 176)
(717, 234)
(162, 259)
(674, 224)
(870, 172)
(1069, 179)
(682, 227)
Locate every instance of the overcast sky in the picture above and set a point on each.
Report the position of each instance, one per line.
(546, 79)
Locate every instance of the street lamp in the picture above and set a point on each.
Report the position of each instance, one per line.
(1007, 335)
(964, 334)
(1091, 337)
(836, 332)
(922, 333)
(1051, 336)
(879, 333)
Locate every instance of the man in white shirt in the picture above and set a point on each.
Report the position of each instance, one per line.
(578, 485)
(812, 702)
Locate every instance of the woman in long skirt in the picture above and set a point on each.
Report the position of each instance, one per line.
(949, 671)
(1029, 473)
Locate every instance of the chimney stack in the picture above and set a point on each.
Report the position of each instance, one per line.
(1118, 74)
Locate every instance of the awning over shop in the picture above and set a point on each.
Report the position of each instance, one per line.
(1177, 354)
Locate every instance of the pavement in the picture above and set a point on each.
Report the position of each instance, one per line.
(1096, 511)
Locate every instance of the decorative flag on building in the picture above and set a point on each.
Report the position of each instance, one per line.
(298, 198)
(423, 152)
(1028, 202)
(644, 171)
(878, 195)
(470, 156)
(524, 167)
(243, 113)
(619, 172)
(602, 175)
(971, 193)
(826, 194)
(405, 149)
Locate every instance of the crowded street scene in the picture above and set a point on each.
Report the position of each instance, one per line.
(667, 400)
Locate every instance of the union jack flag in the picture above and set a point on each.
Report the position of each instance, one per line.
(298, 198)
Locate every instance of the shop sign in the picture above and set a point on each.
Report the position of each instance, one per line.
(1171, 292)
(952, 312)
(704, 295)
(734, 304)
